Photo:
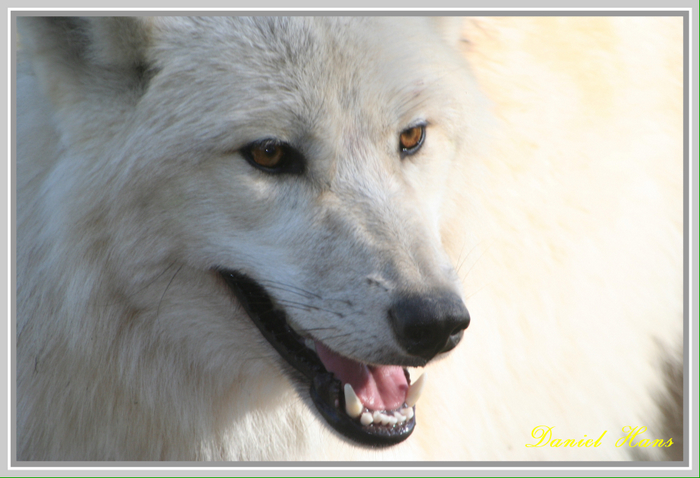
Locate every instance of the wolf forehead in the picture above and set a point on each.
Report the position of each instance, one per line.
(225, 81)
(270, 72)
(291, 50)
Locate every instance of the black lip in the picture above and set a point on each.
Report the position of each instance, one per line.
(325, 389)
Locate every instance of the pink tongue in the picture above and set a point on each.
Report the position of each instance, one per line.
(378, 388)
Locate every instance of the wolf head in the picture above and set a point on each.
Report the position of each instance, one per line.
(288, 172)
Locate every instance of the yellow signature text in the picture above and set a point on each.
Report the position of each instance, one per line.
(633, 433)
(544, 436)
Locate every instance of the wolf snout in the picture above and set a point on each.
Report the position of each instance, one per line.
(428, 324)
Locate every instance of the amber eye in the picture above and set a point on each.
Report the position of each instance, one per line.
(267, 154)
(273, 156)
(411, 139)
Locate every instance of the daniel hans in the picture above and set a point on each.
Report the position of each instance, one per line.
(632, 439)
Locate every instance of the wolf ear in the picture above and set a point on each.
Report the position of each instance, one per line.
(450, 29)
(72, 56)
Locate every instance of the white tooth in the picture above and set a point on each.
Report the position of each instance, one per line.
(415, 390)
(404, 411)
(377, 416)
(310, 343)
(399, 418)
(384, 419)
(353, 405)
(391, 420)
(414, 373)
(366, 418)
(410, 413)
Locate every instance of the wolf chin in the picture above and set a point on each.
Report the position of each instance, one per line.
(246, 238)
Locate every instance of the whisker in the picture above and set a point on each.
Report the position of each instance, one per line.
(459, 257)
(286, 302)
(320, 328)
(307, 295)
(476, 292)
(330, 337)
(462, 261)
(300, 307)
(289, 288)
(166, 289)
(493, 241)
(157, 277)
(149, 284)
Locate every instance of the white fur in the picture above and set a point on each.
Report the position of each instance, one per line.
(551, 179)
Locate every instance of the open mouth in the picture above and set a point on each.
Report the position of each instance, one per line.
(371, 405)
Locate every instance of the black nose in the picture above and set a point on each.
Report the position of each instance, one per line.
(428, 324)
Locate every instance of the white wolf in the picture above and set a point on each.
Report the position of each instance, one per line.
(235, 235)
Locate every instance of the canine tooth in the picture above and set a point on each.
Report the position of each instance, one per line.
(415, 390)
(366, 418)
(353, 405)
(310, 344)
